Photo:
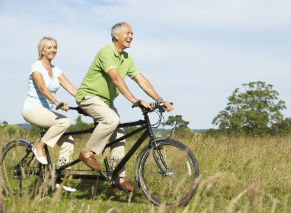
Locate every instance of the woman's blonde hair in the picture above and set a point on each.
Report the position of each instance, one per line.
(44, 42)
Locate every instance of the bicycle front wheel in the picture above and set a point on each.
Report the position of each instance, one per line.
(20, 169)
(168, 173)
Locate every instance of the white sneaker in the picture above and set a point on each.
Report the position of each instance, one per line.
(41, 159)
(67, 188)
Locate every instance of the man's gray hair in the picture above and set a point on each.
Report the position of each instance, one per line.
(117, 29)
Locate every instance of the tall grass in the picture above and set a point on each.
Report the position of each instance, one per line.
(236, 175)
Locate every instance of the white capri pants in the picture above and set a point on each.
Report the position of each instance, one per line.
(55, 124)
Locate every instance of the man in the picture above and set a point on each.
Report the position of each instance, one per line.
(99, 88)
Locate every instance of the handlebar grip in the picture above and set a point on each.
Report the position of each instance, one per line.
(136, 104)
(60, 105)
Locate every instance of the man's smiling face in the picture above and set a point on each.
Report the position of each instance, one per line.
(125, 37)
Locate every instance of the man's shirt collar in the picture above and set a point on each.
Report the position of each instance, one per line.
(120, 56)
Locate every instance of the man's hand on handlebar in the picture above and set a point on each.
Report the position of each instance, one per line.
(142, 104)
(168, 105)
(152, 106)
(145, 104)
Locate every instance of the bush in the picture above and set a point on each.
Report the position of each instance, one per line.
(11, 130)
(183, 132)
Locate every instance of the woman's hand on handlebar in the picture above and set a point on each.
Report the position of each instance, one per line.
(63, 106)
(66, 107)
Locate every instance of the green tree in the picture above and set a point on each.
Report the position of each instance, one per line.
(252, 112)
(176, 122)
(80, 125)
(283, 128)
(4, 123)
(34, 131)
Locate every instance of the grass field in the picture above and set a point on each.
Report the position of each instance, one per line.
(236, 175)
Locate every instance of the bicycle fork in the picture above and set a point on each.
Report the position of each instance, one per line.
(160, 161)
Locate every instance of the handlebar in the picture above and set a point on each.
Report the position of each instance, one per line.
(78, 109)
(154, 105)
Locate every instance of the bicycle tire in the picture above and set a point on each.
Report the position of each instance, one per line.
(20, 170)
(179, 182)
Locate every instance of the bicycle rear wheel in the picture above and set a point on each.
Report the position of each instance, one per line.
(20, 170)
(171, 178)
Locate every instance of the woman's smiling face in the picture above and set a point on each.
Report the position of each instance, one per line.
(49, 51)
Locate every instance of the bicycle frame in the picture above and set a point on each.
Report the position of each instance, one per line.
(145, 125)
(157, 163)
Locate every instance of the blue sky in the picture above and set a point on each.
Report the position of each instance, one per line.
(194, 52)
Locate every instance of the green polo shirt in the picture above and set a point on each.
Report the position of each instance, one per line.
(97, 82)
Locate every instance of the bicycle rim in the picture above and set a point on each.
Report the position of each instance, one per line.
(175, 183)
(20, 170)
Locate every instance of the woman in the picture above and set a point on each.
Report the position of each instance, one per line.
(44, 81)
